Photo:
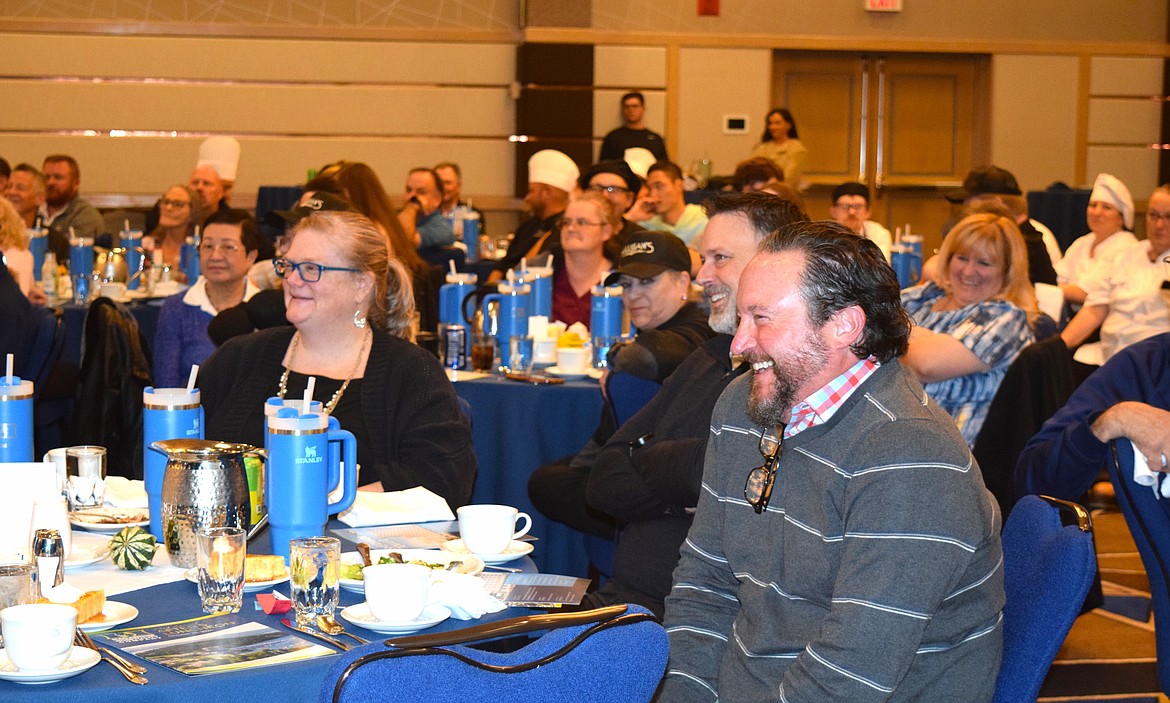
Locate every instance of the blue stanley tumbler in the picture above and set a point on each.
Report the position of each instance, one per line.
(452, 297)
(16, 419)
(167, 413)
(605, 321)
(298, 483)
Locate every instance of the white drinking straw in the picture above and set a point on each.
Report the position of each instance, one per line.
(309, 394)
(126, 225)
(524, 264)
(10, 369)
(191, 378)
(73, 236)
(451, 263)
(897, 236)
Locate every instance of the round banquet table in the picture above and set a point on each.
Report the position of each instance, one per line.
(517, 427)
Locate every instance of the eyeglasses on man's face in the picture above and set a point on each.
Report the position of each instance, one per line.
(309, 271)
(610, 190)
(566, 222)
(757, 490)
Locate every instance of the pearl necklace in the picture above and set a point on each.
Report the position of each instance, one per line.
(292, 355)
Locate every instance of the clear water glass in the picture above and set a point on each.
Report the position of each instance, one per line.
(220, 553)
(315, 570)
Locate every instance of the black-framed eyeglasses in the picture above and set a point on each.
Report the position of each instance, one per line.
(609, 189)
(757, 490)
(310, 271)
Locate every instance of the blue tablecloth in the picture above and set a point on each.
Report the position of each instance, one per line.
(284, 683)
(517, 427)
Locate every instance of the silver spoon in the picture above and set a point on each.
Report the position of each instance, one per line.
(326, 623)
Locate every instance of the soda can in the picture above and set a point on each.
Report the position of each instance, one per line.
(453, 346)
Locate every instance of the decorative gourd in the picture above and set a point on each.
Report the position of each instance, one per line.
(133, 548)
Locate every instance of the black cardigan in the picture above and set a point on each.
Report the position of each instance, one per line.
(421, 436)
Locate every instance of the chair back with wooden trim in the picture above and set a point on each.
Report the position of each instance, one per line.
(616, 654)
(1047, 570)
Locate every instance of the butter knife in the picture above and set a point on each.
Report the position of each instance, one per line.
(312, 633)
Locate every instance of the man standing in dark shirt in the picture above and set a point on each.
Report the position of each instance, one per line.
(634, 133)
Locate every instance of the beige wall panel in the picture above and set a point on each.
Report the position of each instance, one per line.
(1136, 167)
(279, 109)
(274, 60)
(1056, 20)
(1034, 118)
(282, 14)
(607, 111)
(629, 67)
(1124, 121)
(714, 83)
(146, 166)
(1115, 75)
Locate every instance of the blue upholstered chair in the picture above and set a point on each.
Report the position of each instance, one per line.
(1047, 569)
(1148, 518)
(615, 654)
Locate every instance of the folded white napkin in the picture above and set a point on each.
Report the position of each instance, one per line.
(463, 594)
(396, 508)
(122, 492)
(1144, 476)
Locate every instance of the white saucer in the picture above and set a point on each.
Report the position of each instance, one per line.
(514, 551)
(113, 614)
(80, 659)
(192, 575)
(471, 565)
(596, 374)
(567, 375)
(91, 519)
(87, 551)
(361, 616)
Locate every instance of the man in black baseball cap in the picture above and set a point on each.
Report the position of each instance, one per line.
(649, 253)
(620, 185)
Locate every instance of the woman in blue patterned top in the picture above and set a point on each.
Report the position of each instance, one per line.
(972, 323)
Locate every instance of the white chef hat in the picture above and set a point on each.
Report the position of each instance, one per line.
(1108, 189)
(640, 160)
(553, 168)
(222, 154)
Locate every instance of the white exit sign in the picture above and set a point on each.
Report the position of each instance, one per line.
(883, 5)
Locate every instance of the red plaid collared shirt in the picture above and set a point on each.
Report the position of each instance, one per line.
(822, 404)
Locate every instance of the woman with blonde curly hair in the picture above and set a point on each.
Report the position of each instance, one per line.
(972, 323)
(14, 247)
(350, 331)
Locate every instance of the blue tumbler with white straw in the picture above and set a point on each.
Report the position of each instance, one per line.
(16, 418)
(167, 413)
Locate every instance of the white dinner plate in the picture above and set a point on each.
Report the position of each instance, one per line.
(109, 520)
(86, 550)
(192, 575)
(471, 564)
(80, 659)
(567, 375)
(361, 616)
(514, 551)
(113, 614)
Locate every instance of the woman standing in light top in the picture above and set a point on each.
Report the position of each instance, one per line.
(1110, 217)
(780, 144)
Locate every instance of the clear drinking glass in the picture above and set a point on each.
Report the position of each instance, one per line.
(17, 585)
(315, 568)
(85, 468)
(220, 557)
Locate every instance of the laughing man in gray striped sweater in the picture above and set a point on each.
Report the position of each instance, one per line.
(866, 565)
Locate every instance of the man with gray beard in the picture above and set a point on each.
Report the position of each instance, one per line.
(844, 547)
(647, 476)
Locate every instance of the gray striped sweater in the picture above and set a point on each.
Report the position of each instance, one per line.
(875, 575)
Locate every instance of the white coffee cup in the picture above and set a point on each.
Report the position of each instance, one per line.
(489, 529)
(38, 636)
(396, 592)
(113, 290)
(573, 359)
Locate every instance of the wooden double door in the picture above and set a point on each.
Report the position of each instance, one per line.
(910, 126)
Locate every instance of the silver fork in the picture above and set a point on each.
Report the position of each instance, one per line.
(112, 659)
(88, 642)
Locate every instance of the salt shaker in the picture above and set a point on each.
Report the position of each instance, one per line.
(48, 557)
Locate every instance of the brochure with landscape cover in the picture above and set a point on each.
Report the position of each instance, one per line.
(212, 644)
